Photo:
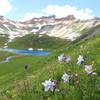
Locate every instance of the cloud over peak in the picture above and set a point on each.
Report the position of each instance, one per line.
(61, 11)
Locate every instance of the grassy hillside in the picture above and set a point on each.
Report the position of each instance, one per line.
(18, 84)
(3, 40)
(37, 41)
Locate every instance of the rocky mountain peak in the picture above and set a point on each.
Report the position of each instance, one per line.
(96, 18)
(1, 17)
(67, 27)
(70, 17)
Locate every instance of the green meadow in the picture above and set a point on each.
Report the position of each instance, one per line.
(18, 84)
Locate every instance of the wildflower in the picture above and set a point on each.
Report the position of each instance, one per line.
(81, 46)
(57, 90)
(49, 85)
(8, 92)
(61, 58)
(94, 73)
(80, 60)
(88, 52)
(88, 69)
(65, 78)
(76, 74)
(68, 59)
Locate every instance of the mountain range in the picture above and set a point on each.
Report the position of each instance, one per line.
(67, 27)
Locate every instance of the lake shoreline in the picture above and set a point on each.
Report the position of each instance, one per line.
(26, 52)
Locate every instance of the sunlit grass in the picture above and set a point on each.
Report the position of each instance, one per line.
(16, 83)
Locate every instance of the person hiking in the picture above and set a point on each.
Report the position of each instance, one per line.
(26, 67)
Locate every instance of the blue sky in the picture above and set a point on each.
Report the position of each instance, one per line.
(26, 9)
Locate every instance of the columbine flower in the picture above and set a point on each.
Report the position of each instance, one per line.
(80, 60)
(68, 59)
(61, 58)
(49, 85)
(88, 69)
(65, 78)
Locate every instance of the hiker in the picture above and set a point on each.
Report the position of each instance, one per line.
(26, 67)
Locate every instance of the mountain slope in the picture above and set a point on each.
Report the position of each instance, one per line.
(66, 28)
(37, 41)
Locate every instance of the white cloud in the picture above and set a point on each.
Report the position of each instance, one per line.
(61, 11)
(30, 15)
(89, 11)
(5, 7)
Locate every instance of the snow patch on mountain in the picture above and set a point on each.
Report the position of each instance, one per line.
(67, 28)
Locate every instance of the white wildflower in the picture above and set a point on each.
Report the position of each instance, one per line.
(57, 90)
(65, 78)
(88, 69)
(68, 59)
(94, 73)
(49, 85)
(80, 60)
(81, 46)
(61, 58)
